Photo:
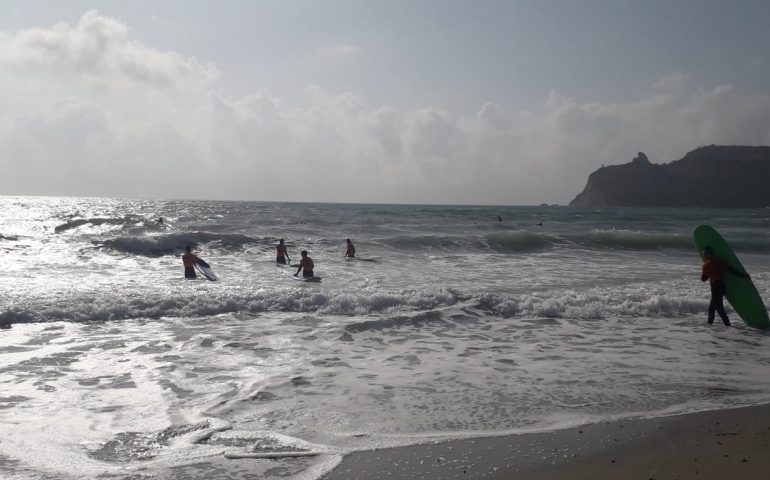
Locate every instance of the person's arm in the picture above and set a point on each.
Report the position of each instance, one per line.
(200, 262)
(300, 268)
(703, 275)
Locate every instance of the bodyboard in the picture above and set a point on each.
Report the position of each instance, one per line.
(206, 270)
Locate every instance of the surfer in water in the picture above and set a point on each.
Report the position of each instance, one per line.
(714, 270)
(306, 265)
(189, 260)
(281, 254)
(351, 251)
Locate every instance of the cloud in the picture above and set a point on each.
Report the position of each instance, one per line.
(432, 134)
(494, 117)
(342, 150)
(155, 19)
(334, 148)
(339, 51)
(384, 126)
(98, 49)
(75, 147)
(671, 83)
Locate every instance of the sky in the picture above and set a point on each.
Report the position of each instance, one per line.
(394, 101)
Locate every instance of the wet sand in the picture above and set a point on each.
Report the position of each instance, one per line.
(708, 445)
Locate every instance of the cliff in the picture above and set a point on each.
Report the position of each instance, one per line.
(715, 176)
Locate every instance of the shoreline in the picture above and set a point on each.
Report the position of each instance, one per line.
(717, 444)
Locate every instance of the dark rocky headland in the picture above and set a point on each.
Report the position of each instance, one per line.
(728, 176)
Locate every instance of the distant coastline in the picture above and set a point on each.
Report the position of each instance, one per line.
(728, 176)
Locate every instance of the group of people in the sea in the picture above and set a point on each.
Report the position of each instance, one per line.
(305, 265)
(714, 270)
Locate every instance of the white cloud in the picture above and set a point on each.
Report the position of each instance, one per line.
(155, 19)
(339, 51)
(675, 82)
(98, 49)
(494, 116)
(433, 134)
(336, 149)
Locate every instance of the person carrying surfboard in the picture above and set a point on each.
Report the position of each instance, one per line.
(351, 251)
(281, 254)
(189, 260)
(306, 265)
(714, 270)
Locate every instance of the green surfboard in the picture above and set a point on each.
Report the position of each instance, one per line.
(740, 291)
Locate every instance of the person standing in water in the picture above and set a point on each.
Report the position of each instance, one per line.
(351, 251)
(189, 260)
(715, 269)
(306, 265)
(281, 254)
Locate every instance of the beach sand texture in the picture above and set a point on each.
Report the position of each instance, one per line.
(711, 445)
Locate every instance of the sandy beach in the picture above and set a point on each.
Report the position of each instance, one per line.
(707, 445)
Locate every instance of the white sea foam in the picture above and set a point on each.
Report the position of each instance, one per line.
(89, 306)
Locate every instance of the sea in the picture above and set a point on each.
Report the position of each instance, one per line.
(454, 322)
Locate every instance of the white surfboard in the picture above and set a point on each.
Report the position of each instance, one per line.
(307, 279)
(206, 270)
(375, 259)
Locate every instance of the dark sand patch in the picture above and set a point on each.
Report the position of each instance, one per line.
(709, 445)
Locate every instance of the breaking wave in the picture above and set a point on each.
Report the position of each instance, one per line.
(593, 305)
(429, 242)
(632, 240)
(128, 220)
(521, 241)
(156, 245)
(524, 241)
(87, 308)
(392, 305)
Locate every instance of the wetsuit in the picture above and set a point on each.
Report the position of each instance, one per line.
(715, 270)
(351, 253)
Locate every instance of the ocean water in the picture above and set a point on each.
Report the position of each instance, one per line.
(112, 365)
